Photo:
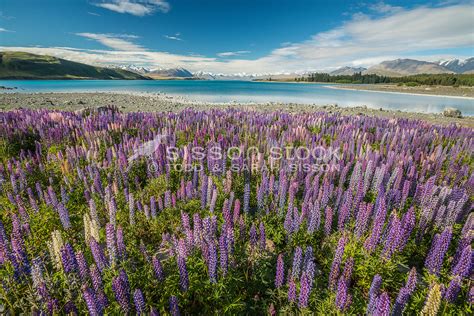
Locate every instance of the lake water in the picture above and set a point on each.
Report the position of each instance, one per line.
(245, 91)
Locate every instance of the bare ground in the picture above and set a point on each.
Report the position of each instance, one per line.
(463, 91)
(129, 102)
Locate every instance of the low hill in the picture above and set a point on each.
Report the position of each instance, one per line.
(21, 65)
(406, 67)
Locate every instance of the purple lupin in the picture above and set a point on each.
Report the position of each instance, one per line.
(139, 301)
(158, 269)
(292, 291)
(183, 274)
(297, 259)
(82, 264)
(96, 279)
(305, 290)
(382, 307)
(263, 239)
(288, 223)
(236, 215)
(223, 254)
(328, 221)
(122, 292)
(434, 260)
(374, 293)
(91, 302)
(407, 225)
(343, 298)
(253, 235)
(405, 293)
(121, 249)
(464, 265)
(334, 274)
(97, 254)
(247, 197)
(153, 207)
(453, 289)
(68, 258)
(373, 240)
(64, 216)
(110, 240)
(212, 262)
(314, 218)
(174, 307)
(280, 272)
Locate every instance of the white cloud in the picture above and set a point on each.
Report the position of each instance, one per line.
(403, 33)
(93, 13)
(364, 40)
(231, 54)
(116, 41)
(175, 37)
(4, 30)
(135, 7)
(111, 57)
(382, 7)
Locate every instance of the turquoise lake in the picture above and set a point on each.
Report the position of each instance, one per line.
(246, 91)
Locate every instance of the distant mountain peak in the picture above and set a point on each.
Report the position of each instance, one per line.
(179, 72)
(133, 68)
(459, 65)
(175, 72)
(347, 71)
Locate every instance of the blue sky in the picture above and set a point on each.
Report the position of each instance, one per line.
(232, 36)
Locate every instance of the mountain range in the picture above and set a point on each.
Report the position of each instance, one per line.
(392, 68)
(21, 65)
(159, 73)
(465, 66)
(407, 67)
(347, 70)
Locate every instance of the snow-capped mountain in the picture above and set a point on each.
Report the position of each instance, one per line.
(220, 76)
(398, 67)
(347, 70)
(170, 73)
(459, 65)
(157, 73)
(134, 68)
(245, 76)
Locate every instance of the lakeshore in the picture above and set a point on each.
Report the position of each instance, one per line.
(150, 102)
(462, 92)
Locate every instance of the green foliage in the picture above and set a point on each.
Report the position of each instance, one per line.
(410, 81)
(16, 143)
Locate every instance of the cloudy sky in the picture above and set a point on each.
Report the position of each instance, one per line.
(239, 36)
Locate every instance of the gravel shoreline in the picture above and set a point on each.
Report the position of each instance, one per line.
(133, 101)
(434, 91)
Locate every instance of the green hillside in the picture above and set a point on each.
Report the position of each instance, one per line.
(21, 65)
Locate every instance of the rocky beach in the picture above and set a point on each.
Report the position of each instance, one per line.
(441, 91)
(149, 102)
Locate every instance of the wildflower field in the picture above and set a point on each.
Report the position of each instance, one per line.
(234, 212)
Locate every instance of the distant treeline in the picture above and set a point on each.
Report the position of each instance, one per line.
(425, 79)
